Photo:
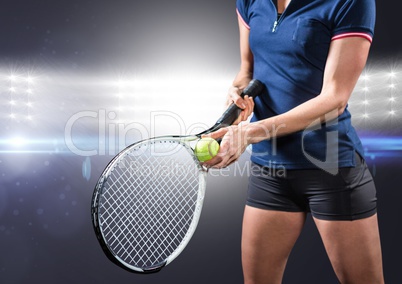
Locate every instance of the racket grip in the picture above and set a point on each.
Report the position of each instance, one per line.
(233, 111)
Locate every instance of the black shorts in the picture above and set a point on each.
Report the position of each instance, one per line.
(348, 195)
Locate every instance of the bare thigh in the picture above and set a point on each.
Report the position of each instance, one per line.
(354, 249)
(267, 240)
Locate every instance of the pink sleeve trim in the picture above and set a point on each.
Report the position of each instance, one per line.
(242, 20)
(363, 35)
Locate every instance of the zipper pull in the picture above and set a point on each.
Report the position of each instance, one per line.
(274, 28)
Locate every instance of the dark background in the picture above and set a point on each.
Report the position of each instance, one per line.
(71, 48)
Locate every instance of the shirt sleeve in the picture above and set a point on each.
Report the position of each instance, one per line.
(241, 9)
(356, 18)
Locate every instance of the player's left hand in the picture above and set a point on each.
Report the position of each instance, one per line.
(234, 143)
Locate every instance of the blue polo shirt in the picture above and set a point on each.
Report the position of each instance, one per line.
(290, 53)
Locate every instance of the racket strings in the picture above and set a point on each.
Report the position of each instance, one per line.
(148, 203)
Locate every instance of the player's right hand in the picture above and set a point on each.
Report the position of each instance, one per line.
(246, 103)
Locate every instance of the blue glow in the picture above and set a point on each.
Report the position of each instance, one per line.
(86, 169)
(382, 146)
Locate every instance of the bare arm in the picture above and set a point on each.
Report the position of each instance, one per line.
(246, 58)
(346, 60)
(244, 76)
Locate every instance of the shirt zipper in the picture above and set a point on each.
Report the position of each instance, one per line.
(275, 25)
(277, 21)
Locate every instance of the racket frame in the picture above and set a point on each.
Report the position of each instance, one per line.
(182, 140)
(228, 117)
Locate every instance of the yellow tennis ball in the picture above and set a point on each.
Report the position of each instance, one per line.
(206, 149)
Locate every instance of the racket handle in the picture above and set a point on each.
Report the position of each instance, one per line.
(233, 111)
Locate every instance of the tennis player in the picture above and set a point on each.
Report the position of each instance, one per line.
(309, 54)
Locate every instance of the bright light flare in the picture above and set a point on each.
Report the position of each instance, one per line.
(17, 141)
(12, 78)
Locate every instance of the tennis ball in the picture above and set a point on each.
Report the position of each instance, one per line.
(206, 149)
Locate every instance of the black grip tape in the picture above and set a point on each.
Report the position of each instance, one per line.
(233, 111)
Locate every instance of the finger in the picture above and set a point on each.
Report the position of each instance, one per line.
(219, 163)
(234, 95)
(220, 160)
(231, 93)
(245, 110)
(240, 102)
(250, 103)
(249, 109)
(213, 162)
(225, 162)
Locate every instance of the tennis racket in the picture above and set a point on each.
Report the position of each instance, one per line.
(148, 200)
